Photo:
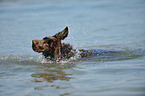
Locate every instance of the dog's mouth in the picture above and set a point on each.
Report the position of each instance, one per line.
(37, 50)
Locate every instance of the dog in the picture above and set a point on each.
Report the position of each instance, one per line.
(52, 48)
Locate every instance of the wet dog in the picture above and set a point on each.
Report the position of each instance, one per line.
(52, 48)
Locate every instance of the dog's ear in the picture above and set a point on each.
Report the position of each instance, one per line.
(63, 34)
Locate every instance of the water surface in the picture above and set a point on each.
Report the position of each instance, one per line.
(116, 27)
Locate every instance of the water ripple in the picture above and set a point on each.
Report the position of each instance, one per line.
(102, 55)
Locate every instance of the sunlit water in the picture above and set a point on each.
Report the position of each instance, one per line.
(113, 28)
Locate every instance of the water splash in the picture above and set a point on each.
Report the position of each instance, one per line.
(103, 55)
(33, 59)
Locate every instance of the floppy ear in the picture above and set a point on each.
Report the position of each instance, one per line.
(63, 34)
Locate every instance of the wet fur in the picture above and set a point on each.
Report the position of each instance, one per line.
(52, 48)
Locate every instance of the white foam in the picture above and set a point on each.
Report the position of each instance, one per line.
(43, 60)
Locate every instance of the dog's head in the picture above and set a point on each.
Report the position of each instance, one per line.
(50, 46)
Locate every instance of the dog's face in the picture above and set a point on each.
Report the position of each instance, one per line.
(50, 46)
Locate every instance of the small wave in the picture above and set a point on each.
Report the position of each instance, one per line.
(63, 61)
(119, 55)
(20, 59)
(102, 55)
(33, 59)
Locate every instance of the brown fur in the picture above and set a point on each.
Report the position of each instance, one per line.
(52, 48)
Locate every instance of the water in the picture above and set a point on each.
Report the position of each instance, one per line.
(114, 26)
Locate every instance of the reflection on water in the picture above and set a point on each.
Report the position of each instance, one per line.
(54, 72)
(51, 75)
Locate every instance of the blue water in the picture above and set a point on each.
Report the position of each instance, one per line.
(116, 26)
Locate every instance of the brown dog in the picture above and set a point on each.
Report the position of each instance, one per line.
(53, 49)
